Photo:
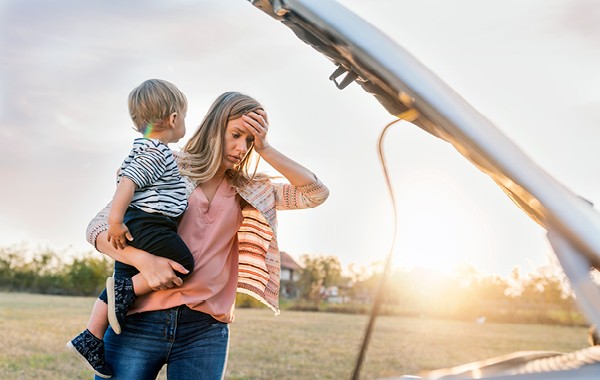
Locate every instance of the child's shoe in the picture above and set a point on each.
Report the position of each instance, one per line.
(91, 350)
(120, 296)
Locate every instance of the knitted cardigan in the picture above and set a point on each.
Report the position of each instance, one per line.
(259, 257)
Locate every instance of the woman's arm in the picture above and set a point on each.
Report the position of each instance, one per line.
(258, 125)
(157, 271)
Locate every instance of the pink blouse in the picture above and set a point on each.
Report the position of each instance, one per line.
(255, 247)
(210, 232)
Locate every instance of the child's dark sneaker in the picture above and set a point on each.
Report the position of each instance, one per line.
(120, 298)
(91, 350)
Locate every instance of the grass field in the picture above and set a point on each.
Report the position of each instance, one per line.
(294, 345)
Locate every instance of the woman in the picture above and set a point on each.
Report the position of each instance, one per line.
(230, 226)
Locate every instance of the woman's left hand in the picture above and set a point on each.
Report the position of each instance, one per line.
(257, 124)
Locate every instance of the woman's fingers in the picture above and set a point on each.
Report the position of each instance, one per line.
(260, 117)
(158, 273)
(251, 124)
(177, 281)
(257, 128)
(263, 114)
(257, 124)
(178, 267)
(256, 121)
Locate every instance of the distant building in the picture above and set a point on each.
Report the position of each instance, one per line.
(290, 274)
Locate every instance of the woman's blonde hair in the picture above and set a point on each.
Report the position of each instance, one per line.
(203, 154)
(152, 102)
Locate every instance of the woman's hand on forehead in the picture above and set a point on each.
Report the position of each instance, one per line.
(257, 124)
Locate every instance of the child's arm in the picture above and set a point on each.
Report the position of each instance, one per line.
(118, 233)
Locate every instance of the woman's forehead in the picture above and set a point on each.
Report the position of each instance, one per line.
(237, 125)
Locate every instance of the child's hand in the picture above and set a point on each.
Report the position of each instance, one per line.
(118, 235)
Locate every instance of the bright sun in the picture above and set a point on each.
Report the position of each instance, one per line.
(439, 226)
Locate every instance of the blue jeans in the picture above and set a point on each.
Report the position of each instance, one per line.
(192, 344)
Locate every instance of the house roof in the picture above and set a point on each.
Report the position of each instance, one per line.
(288, 262)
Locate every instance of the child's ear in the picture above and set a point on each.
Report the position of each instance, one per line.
(172, 119)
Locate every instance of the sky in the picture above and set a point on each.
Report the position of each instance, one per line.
(531, 67)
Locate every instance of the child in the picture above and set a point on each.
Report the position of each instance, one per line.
(150, 197)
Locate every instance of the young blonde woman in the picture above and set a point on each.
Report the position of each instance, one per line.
(230, 226)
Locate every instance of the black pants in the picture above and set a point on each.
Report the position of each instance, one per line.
(156, 234)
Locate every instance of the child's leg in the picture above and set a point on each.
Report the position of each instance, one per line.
(88, 345)
(155, 234)
(98, 322)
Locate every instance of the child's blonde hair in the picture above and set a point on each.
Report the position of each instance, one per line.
(152, 102)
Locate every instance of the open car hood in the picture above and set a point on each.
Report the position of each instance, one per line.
(408, 90)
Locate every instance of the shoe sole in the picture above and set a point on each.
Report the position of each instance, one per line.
(112, 316)
(82, 359)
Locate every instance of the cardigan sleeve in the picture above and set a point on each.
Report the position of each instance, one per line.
(289, 197)
(98, 224)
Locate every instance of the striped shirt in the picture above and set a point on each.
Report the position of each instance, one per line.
(159, 185)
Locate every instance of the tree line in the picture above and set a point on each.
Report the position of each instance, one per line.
(46, 272)
(541, 296)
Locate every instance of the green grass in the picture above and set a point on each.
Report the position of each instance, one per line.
(294, 345)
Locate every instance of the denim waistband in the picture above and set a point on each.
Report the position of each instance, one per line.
(181, 314)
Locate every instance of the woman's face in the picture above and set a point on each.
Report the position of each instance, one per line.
(237, 143)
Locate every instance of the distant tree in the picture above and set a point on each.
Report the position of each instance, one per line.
(11, 260)
(318, 272)
(39, 274)
(44, 272)
(365, 280)
(86, 276)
